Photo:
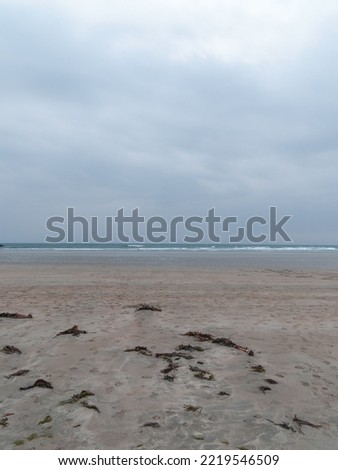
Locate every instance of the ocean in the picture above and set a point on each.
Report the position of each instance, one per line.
(208, 256)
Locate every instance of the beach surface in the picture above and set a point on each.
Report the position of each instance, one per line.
(211, 395)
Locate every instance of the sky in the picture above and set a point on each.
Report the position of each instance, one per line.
(171, 106)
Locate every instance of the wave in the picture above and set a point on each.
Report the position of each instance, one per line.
(167, 247)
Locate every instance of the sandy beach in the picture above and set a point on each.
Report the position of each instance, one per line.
(207, 396)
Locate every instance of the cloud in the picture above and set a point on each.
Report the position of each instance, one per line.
(170, 106)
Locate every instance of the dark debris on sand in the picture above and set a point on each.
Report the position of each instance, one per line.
(77, 397)
(222, 341)
(192, 408)
(18, 373)
(74, 331)
(140, 349)
(144, 306)
(260, 369)
(15, 315)
(4, 422)
(151, 424)
(298, 425)
(169, 378)
(38, 383)
(202, 374)
(283, 425)
(11, 350)
(271, 381)
(188, 347)
(174, 355)
(301, 422)
(85, 404)
(171, 367)
(264, 389)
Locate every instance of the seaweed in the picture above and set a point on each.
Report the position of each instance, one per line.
(169, 378)
(264, 389)
(140, 349)
(38, 383)
(301, 422)
(4, 422)
(230, 344)
(171, 367)
(202, 374)
(222, 341)
(199, 336)
(271, 381)
(77, 397)
(188, 347)
(15, 315)
(19, 442)
(47, 419)
(283, 425)
(192, 408)
(151, 424)
(18, 373)
(74, 331)
(260, 369)
(145, 306)
(11, 350)
(90, 407)
(175, 355)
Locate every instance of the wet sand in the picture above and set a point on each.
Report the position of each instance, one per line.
(287, 317)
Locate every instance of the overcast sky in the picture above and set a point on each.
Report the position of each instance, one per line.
(172, 106)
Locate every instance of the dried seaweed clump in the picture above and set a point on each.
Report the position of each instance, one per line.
(15, 315)
(77, 397)
(11, 350)
(74, 331)
(140, 349)
(222, 341)
(18, 373)
(38, 383)
(144, 306)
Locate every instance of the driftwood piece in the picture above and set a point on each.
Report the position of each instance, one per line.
(74, 331)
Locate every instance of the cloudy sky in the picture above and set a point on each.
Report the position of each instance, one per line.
(172, 106)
